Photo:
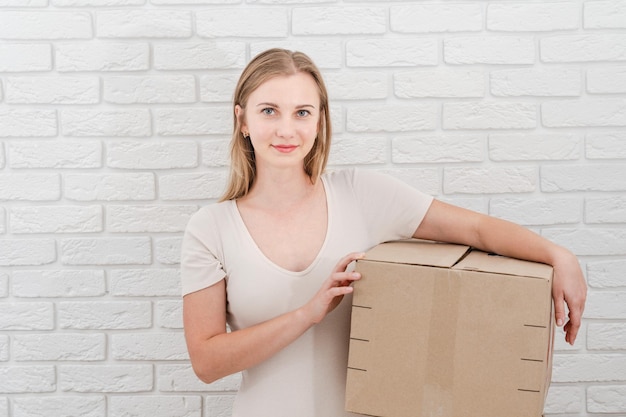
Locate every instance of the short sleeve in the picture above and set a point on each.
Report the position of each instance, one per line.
(200, 267)
(392, 208)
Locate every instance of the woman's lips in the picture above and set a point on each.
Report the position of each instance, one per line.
(285, 148)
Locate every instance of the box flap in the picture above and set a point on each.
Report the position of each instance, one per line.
(485, 262)
(418, 252)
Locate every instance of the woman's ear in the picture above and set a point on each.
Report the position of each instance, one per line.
(239, 114)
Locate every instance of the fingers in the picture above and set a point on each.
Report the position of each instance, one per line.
(559, 308)
(346, 260)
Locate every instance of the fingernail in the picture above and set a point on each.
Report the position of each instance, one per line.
(559, 322)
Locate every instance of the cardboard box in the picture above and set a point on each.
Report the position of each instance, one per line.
(441, 330)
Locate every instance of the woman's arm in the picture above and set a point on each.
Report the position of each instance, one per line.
(214, 353)
(448, 223)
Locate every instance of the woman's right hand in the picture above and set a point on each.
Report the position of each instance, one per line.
(332, 291)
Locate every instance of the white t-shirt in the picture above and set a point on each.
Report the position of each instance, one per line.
(307, 378)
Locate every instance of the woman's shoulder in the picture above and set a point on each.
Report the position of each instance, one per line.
(211, 214)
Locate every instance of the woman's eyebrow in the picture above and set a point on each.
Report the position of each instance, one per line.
(267, 104)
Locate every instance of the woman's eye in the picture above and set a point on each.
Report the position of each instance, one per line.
(303, 113)
(268, 111)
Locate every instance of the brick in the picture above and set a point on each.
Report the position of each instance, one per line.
(63, 283)
(606, 399)
(56, 219)
(357, 85)
(564, 399)
(157, 406)
(218, 88)
(26, 316)
(145, 282)
(181, 378)
(30, 187)
(542, 82)
(495, 180)
(589, 368)
(52, 90)
(98, 123)
(169, 314)
(102, 56)
(98, 3)
(220, 405)
(435, 18)
(59, 154)
(167, 250)
(326, 53)
(59, 347)
(150, 89)
(583, 48)
(193, 121)
(359, 150)
(606, 305)
(152, 155)
(24, 122)
(207, 55)
(250, 22)
(176, 2)
(199, 186)
(23, 252)
(610, 80)
(391, 52)
(110, 187)
(27, 379)
(215, 153)
(591, 112)
(146, 218)
(84, 406)
(583, 242)
(4, 285)
(3, 228)
(338, 20)
(168, 346)
(606, 274)
(23, 3)
(437, 148)
(605, 145)
(104, 315)
(23, 57)
(534, 147)
(522, 17)
(605, 210)
(606, 336)
(495, 50)
(106, 378)
(537, 212)
(45, 25)
(605, 15)
(565, 178)
(143, 24)
(4, 349)
(106, 251)
(392, 118)
(489, 115)
(439, 83)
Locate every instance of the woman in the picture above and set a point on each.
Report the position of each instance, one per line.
(267, 258)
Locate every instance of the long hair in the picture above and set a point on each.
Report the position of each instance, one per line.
(272, 63)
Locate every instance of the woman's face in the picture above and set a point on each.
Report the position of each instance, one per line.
(282, 118)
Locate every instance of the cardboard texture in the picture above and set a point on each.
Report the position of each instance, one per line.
(441, 330)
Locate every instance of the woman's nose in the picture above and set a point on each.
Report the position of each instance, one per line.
(286, 128)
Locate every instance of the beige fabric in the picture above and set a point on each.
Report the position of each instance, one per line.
(306, 379)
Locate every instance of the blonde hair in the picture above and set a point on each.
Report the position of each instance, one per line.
(272, 63)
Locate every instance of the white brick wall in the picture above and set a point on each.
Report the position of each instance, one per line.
(114, 128)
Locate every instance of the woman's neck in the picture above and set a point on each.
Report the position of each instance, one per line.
(281, 189)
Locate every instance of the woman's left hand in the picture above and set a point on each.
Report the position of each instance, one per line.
(568, 287)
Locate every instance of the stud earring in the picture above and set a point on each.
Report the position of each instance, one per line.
(246, 136)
